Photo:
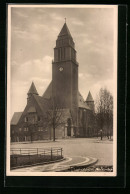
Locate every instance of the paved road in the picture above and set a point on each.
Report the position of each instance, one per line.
(82, 147)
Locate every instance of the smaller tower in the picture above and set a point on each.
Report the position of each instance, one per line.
(32, 91)
(90, 101)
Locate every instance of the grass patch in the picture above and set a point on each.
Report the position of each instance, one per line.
(23, 160)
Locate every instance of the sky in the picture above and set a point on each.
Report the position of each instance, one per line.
(33, 36)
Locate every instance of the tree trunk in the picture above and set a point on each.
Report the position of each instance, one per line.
(31, 138)
(97, 133)
(50, 133)
(110, 133)
(53, 133)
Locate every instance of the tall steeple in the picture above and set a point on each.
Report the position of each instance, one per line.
(32, 91)
(65, 46)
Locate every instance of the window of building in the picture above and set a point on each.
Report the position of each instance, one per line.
(58, 54)
(40, 128)
(63, 53)
(25, 128)
(39, 118)
(26, 119)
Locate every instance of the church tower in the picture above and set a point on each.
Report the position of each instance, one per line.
(90, 101)
(65, 72)
(31, 91)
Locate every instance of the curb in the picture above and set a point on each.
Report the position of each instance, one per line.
(91, 162)
(86, 165)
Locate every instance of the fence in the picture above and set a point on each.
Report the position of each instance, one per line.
(25, 156)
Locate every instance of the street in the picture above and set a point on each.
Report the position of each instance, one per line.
(78, 147)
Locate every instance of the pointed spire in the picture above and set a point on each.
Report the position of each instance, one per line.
(65, 30)
(32, 89)
(89, 97)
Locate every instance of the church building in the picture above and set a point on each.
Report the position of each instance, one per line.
(61, 106)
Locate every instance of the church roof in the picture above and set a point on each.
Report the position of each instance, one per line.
(82, 103)
(42, 102)
(32, 109)
(32, 89)
(48, 91)
(48, 94)
(89, 97)
(15, 118)
(64, 31)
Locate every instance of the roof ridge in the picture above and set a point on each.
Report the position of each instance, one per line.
(16, 117)
(48, 91)
(81, 102)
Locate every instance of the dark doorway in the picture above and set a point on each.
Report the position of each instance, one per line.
(69, 127)
(68, 131)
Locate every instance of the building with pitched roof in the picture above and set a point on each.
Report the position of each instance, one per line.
(72, 115)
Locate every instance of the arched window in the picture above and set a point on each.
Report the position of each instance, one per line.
(26, 119)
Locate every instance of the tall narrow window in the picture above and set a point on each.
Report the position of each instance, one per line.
(20, 129)
(26, 119)
(71, 53)
(64, 53)
(59, 54)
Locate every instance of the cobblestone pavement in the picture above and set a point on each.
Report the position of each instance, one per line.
(81, 147)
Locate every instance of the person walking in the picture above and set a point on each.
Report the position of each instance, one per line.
(101, 133)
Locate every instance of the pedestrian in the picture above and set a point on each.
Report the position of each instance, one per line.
(101, 133)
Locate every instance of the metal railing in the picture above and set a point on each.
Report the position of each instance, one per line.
(36, 151)
(29, 156)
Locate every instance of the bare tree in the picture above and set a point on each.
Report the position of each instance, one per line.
(32, 128)
(54, 115)
(104, 111)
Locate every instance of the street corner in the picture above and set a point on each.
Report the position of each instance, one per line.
(74, 162)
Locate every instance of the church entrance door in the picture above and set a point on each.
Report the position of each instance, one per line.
(69, 127)
(68, 131)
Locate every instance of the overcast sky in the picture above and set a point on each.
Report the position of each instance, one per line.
(33, 36)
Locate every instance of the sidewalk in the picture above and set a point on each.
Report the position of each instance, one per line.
(65, 139)
(29, 142)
